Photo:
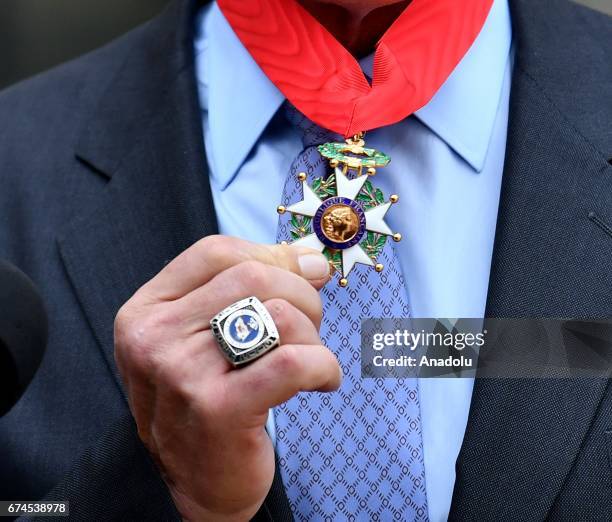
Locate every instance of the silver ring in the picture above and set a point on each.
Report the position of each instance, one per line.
(245, 331)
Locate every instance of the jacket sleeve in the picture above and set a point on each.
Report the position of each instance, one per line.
(115, 479)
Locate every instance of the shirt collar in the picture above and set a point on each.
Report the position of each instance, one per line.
(241, 100)
(238, 96)
(464, 109)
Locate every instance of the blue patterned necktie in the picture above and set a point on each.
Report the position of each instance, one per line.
(355, 454)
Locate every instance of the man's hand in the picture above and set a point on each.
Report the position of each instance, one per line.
(202, 420)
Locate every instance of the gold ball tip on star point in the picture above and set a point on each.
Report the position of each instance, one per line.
(379, 267)
(334, 163)
(302, 176)
(281, 209)
(371, 171)
(397, 237)
(394, 198)
(343, 282)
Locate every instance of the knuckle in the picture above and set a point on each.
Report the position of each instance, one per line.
(254, 275)
(138, 339)
(138, 345)
(215, 249)
(283, 313)
(286, 255)
(257, 383)
(212, 242)
(288, 360)
(121, 320)
(164, 318)
(219, 402)
(125, 314)
(124, 328)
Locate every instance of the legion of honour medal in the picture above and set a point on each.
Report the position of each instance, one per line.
(343, 214)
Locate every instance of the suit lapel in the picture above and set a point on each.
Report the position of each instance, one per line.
(145, 135)
(550, 260)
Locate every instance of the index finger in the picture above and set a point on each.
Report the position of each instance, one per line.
(213, 254)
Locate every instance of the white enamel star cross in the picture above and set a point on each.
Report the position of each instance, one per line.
(363, 221)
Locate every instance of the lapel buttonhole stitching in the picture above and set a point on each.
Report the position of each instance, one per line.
(608, 434)
(606, 228)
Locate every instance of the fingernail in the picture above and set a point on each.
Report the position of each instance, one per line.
(314, 266)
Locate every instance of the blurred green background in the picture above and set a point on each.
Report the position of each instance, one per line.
(37, 34)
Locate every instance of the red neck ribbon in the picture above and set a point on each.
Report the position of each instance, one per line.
(324, 81)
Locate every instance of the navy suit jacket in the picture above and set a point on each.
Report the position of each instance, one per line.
(103, 180)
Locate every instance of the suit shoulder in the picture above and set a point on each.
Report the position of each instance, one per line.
(592, 17)
(596, 26)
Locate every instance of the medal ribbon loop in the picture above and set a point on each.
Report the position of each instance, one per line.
(324, 81)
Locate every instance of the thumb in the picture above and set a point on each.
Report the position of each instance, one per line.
(306, 262)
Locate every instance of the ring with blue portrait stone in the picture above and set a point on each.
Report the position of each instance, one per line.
(245, 331)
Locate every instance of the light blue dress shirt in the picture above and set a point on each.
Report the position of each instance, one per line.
(446, 166)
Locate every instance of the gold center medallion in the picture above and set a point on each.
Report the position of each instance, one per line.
(340, 223)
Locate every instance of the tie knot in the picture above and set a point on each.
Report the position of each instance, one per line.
(311, 133)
